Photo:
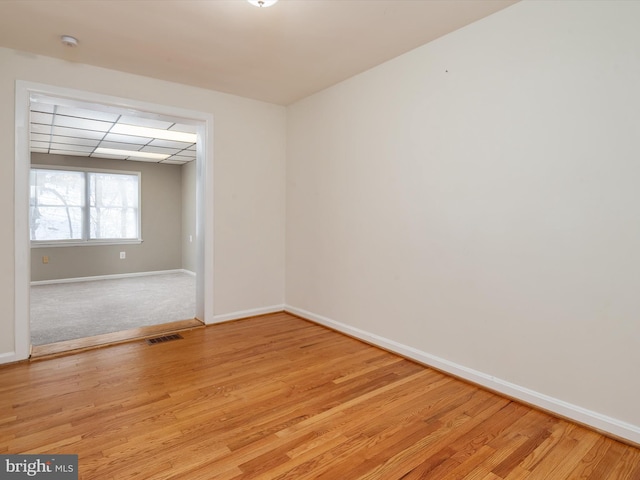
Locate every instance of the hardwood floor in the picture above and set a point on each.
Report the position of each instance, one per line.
(276, 397)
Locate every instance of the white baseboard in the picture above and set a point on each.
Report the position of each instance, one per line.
(9, 357)
(226, 317)
(603, 423)
(108, 277)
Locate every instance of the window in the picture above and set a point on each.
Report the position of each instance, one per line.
(82, 207)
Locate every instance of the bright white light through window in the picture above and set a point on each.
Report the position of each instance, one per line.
(113, 206)
(57, 205)
(83, 206)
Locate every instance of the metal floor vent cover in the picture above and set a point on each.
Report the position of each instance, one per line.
(164, 338)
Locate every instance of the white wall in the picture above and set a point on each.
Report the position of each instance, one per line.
(475, 203)
(189, 250)
(249, 163)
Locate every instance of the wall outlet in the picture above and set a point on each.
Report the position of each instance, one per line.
(190, 238)
(45, 259)
(123, 255)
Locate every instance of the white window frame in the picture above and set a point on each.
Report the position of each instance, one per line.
(86, 241)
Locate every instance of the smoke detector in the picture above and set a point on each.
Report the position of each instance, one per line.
(69, 41)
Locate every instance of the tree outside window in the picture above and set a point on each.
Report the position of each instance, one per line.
(83, 206)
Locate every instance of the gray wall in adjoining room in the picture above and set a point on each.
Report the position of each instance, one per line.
(162, 212)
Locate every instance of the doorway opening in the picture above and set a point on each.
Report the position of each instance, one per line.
(59, 130)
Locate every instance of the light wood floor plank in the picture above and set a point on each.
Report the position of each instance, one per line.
(277, 397)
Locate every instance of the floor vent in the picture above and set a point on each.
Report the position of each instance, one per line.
(164, 338)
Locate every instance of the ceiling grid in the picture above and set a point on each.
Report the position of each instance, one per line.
(61, 130)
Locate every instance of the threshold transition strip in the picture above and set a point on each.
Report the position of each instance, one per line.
(73, 346)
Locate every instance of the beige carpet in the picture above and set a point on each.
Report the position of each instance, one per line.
(67, 311)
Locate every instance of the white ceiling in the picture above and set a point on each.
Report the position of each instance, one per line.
(278, 54)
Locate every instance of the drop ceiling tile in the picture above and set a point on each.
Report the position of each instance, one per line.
(42, 107)
(41, 118)
(147, 160)
(46, 129)
(37, 144)
(182, 158)
(169, 144)
(41, 137)
(87, 142)
(135, 130)
(168, 151)
(110, 157)
(116, 137)
(84, 124)
(72, 148)
(68, 152)
(71, 132)
(88, 114)
(120, 146)
(174, 162)
(145, 122)
(187, 153)
(181, 127)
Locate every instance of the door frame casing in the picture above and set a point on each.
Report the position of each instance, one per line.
(204, 199)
